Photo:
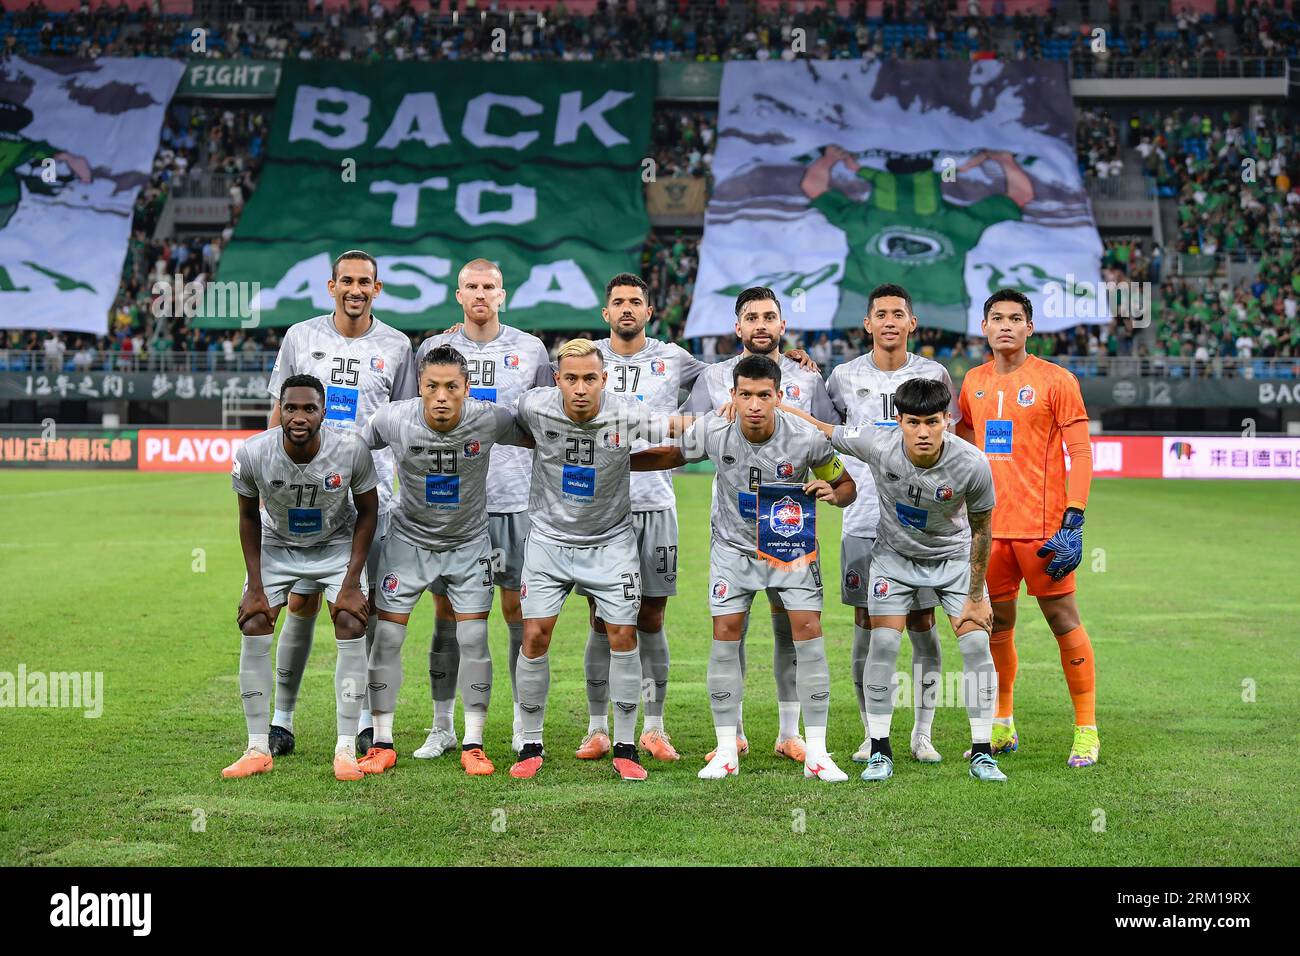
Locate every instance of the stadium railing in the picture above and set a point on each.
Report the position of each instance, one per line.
(13, 360)
(1177, 367)
(1209, 68)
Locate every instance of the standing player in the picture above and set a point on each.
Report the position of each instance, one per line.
(936, 499)
(760, 327)
(363, 364)
(317, 486)
(760, 447)
(439, 536)
(1020, 409)
(582, 536)
(650, 372)
(503, 363)
(862, 391)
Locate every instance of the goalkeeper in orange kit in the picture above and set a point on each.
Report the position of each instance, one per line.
(1020, 409)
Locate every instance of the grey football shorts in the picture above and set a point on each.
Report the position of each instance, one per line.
(855, 575)
(735, 578)
(406, 571)
(896, 581)
(315, 568)
(610, 573)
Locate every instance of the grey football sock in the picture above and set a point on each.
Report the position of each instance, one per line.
(858, 661)
(349, 684)
(878, 678)
(534, 683)
(385, 669)
(595, 664)
(726, 683)
(255, 681)
(516, 642)
(625, 689)
(979, 683)
(927, 664)
(291, 655)
(475, 681)
(784, 660)
(653, 646)
(814, 680)
(444, 660)
(744, 631)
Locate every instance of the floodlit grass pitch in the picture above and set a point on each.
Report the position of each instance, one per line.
(137, 576)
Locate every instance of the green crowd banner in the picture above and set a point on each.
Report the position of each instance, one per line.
(230, 79)
(535, 166)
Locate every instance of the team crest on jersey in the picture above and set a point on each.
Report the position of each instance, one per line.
(852, 580)
(787, 517)
(792, 391)
(784, 470)
(318, 355)
(333, 481)
(658, 367)
(1025, 397)
(510, 361)
(472, 448)
(879, 588)
(611, 439)
(943, 493)
(390, 583)
(719, 589)
(376, 363)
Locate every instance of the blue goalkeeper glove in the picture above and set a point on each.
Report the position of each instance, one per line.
(1066, 546)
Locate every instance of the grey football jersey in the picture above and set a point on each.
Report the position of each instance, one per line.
(500, 371)
(803, 389)
(653, 376)
(304, 504)
(359, 376)
(794, 449)
(863, 395)
(580, 495)
(922, 510)
(442, 501)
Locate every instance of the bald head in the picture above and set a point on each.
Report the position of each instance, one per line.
(480, 291)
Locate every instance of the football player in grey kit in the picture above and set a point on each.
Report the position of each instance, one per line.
(652, 373)
(581, 508)
(439, 535)
(363, 363)
(759, 326)
(503, 363)
(936, 502)
(862, 391)
(760, 447)
(317, 486)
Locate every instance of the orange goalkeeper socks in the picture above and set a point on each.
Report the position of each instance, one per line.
(1080, 674)
(1003, 646)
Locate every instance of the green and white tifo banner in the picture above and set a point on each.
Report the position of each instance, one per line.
(536, 167)
(77, 141)
(951, 179)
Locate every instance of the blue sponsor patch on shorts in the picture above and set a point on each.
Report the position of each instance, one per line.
(442, 489)
(909, 516)
(998, 436)
(579, 481)
(483, 394)
(305, 521)
(340, 404)
(747, 502)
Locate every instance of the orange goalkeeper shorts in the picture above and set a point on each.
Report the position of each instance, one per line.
(1012, 561)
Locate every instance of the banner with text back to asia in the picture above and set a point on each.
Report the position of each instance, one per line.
(536, 166)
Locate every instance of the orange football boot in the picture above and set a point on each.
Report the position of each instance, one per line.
(742, 748)
(657, 744)
(476, 763)
(594, 746)
(253, 761)
(346, 766)
(530, 761)
(792, 747)
(378, 759)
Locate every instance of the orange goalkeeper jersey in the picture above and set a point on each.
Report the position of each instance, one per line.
(1018, 418)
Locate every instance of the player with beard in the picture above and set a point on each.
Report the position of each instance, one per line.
(363, 364)
(759, 326)
(652, 373)
(503, 363)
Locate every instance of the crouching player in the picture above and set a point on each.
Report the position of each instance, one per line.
(761, 448)
(311, 532)
(439, 537)
(936, 500)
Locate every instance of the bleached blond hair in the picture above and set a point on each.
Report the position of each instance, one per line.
(578, 348)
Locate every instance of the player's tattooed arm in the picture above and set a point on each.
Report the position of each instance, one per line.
(250, 542)
(658, 459)
(350, 597)
(981, 543)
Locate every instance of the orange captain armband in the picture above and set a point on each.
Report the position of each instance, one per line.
(831, 471)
